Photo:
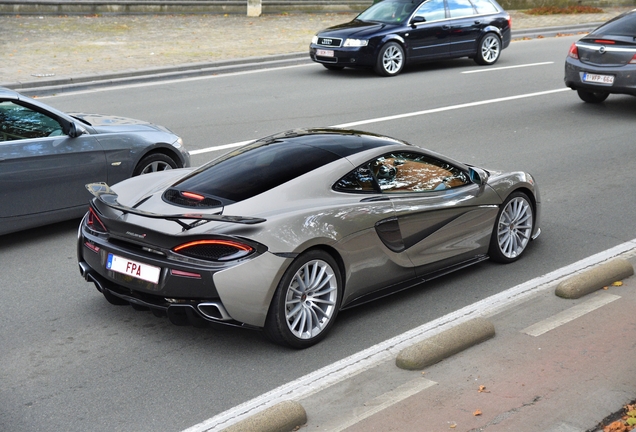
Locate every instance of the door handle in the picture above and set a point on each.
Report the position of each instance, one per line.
(445, 27)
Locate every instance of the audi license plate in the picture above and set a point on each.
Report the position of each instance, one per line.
(132, 268)
(324, 53)
(596, 78)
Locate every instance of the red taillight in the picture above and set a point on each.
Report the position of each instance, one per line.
(574, 52)
(94, 223)
(91, 246)
(604, 41)
(193, 196)
(185, 274)
(214, 249)
(633, 60)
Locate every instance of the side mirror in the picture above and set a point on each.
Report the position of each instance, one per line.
(74, 131)
(417, 20)
(477, 176)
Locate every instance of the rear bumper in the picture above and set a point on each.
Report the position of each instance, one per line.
(624, 77)
(232, 293)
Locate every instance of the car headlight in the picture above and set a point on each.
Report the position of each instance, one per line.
(314, 40)
(356, 42)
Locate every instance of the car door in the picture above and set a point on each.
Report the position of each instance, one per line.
(439, 218)
(429, 33)
(41, 168)
(468, 19)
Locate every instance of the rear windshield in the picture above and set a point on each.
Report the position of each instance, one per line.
(254, 169)
(620, 26)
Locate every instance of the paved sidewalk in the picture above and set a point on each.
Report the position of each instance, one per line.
(554, 365)
(37, 49)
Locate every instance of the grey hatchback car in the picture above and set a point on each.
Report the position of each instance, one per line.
(604, 61)
(47, 156)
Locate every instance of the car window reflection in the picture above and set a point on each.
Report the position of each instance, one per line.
(432, 10)
(18, 122)
(403, 173)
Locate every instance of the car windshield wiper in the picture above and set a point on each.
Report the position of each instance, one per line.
(107, 196)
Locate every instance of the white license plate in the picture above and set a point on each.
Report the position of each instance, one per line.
(324, 53)
(596, 78)
(133, 268)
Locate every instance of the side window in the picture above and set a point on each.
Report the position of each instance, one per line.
(359, 180)
(402, 173)
(460, 8)
(485, 7)
(432, 10)
(18, 122)
(412, 172)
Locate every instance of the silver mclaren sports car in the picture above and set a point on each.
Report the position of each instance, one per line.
(285, 232)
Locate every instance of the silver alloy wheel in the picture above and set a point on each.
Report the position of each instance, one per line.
(490, 48)
(156, 166)
(392, 59)
(310, 301)
(514, 227)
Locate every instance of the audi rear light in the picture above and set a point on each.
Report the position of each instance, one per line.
(574, 52)
(94, 222)
(214, 249)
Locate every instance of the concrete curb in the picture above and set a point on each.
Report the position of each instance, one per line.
(445, 344)
(283, 417)
(595, 278)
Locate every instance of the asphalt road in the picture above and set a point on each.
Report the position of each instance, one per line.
(70, 361)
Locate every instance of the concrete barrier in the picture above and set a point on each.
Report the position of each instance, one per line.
(596, 278)
(445, 344)
(282, 417)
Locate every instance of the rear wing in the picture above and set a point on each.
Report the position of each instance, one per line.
(105, 195)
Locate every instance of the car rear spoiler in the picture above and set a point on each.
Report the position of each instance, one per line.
(104, 194)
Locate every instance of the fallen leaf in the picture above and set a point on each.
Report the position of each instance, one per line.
(617, 283)
(482, 389)
(477, 413)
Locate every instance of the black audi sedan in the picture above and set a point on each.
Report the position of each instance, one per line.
(392, 33)
(604, 61)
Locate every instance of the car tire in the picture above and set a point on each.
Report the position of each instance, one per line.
(306, 301)
(592, 97)
(513, 228)
(153, 163)
(390, 61)
(333, 67)
(488, 50)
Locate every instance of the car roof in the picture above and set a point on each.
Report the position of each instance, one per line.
(271, 161)
(341, 142)
(8, 93)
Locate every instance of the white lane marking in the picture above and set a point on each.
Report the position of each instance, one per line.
(384, 351)
(168, 81)
(506, 67)
(380, 403)
(221, 147)
(451, 108)
(570, 314)
(405, 115)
